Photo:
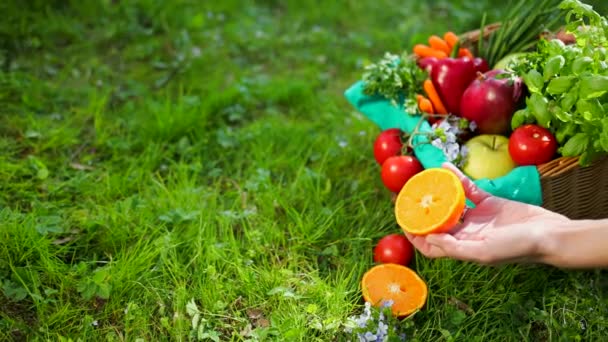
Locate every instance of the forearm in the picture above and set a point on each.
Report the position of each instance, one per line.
(577, 244)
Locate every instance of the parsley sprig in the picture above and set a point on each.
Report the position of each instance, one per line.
(397, 78)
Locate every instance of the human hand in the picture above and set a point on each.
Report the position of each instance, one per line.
(496, 231)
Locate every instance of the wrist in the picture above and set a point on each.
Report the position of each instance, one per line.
(562, 244)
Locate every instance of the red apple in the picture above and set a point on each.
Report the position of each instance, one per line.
(490, 100)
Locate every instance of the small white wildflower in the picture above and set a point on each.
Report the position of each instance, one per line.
(342, 143)
(95, 323)
(450, 137)
(382, 331)
(437, 143)
(444, 125)
(196, 51)
(369, 337)
(472, 126)
(464, 151)
(451, 151)
(388, 303)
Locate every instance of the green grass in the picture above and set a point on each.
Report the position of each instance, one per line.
(158, 158)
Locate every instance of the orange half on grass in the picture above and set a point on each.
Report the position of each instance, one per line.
(397, 283)
(432, 201)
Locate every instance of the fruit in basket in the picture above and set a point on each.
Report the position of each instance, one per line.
(432, 201)
(451, 77)
(387, 144)
(488, 157)
(532, 145)
(394, 249)
(427, 63)
(397, 170)
(396, 283)
(491, 99)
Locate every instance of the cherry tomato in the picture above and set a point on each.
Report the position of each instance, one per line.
(394, 249)
(532, 145)
(397, 170)
(387, 144)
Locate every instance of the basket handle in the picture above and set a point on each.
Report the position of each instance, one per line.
(557, 166)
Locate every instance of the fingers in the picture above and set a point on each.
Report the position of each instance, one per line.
(460, 249)
(426, 249)
(472, 191)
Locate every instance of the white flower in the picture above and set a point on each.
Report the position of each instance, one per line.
(437, 143)
(451, 151)
(472, 126)
(382, 331)
(444, 125)
(450, 137)
(369, 337)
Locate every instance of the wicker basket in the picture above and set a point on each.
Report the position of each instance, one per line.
(567, 188)
(574, 191)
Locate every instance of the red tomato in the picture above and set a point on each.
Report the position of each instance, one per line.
(387, 144)
(397, 170)
(532, 145)
(394, 249)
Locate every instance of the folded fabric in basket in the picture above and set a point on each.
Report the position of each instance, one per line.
(521, 184)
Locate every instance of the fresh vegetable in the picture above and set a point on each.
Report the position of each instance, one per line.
(429, 88)
(387, 144)
(519, 29)
(532, 145)
(398, 78)
(422, 50)
(394, 249)
(438, 43)
(451, 39)
(568, 85)
(427, 63)
(464, 52)
(481, 65)
(397, 170)
(425, 105)
(451, 77)
(490, 101)
(432, 201)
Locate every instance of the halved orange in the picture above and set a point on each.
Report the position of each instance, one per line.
(432, 201)
(396, 283)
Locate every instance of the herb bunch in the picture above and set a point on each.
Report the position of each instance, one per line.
(568, 85)
(398, 78)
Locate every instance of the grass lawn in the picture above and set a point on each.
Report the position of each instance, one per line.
(183, 170)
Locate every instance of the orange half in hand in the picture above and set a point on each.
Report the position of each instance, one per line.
(432, 201)
(396, 283)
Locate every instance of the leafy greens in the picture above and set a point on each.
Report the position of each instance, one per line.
(568, 85)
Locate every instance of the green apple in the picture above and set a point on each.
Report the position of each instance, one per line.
(506, 60)
(488, 157)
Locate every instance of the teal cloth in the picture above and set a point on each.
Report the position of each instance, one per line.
(521, 184)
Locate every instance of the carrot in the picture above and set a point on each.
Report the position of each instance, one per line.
(431, 92)
(422, 50)
(439, 44)
(418, 99)
(426, 106)
(451, 38)
(464, 52)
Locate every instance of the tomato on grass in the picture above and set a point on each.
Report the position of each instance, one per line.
(394, 249)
